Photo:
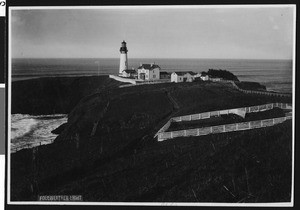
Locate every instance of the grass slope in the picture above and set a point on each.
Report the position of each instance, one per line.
(122, 162)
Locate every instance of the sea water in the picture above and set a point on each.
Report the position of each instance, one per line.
(29, 131)
(276, 75)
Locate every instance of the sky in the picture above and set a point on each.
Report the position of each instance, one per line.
(153, 32)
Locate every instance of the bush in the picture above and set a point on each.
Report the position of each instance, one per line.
(224, 74)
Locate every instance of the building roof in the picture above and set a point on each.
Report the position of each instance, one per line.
(148, 66)
(181, 73)
(192, 73)
(130, 71)
(164, 73)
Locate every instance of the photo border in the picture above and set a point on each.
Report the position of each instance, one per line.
(9, 84)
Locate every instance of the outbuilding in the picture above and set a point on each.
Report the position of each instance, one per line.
(165, 75)
(215, 79)
(182, 76)
(129, 73)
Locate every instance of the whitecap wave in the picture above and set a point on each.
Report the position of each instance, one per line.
(22, 127)
(34, 130)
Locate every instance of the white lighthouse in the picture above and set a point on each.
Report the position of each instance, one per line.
(123, 58)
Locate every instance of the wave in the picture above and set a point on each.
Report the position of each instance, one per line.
(21, 127)
(32, 130)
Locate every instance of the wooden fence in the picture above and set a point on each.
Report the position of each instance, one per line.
(163, 135)
(222, 128)
(238, 111)
(268, 93)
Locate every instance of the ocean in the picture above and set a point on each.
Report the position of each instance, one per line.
(29, 131)
(26, 130)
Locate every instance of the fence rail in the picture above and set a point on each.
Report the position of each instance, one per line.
(240, 111)
(222, 128)
(268, 93)
(163, 135)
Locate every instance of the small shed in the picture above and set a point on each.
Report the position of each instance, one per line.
(165, 75)
(129, 73)
(215, 79)
(182, 76)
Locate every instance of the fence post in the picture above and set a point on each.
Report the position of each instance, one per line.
(211, 129)
(184, 132)
(198, 132)
(199, 116)
(261, 124)
(236, 126)
(171, 134)
(190, 117)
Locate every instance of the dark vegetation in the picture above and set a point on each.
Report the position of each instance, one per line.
(224, 74)
(227, 119)
(120, 160)
(251, 86)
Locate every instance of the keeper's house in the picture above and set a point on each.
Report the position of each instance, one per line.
(149, 72)
(182, 76)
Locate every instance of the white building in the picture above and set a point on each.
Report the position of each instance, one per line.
(215, 79)
(129, 73)
(149, 72)
(123, 58)
(182, 76)
(204, 77)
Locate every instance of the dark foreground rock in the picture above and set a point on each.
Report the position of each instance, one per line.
(59, 129)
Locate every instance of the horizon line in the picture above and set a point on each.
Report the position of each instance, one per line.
(153, 58)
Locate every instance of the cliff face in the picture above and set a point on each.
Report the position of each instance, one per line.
(106, 151)
(54, 95)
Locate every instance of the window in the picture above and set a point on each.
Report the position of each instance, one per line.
(154, 76)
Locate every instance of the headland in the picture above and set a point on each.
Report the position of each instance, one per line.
(106, 151)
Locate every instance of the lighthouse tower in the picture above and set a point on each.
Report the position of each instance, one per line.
(123, 58)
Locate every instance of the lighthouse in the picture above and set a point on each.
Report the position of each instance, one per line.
(123, 58)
